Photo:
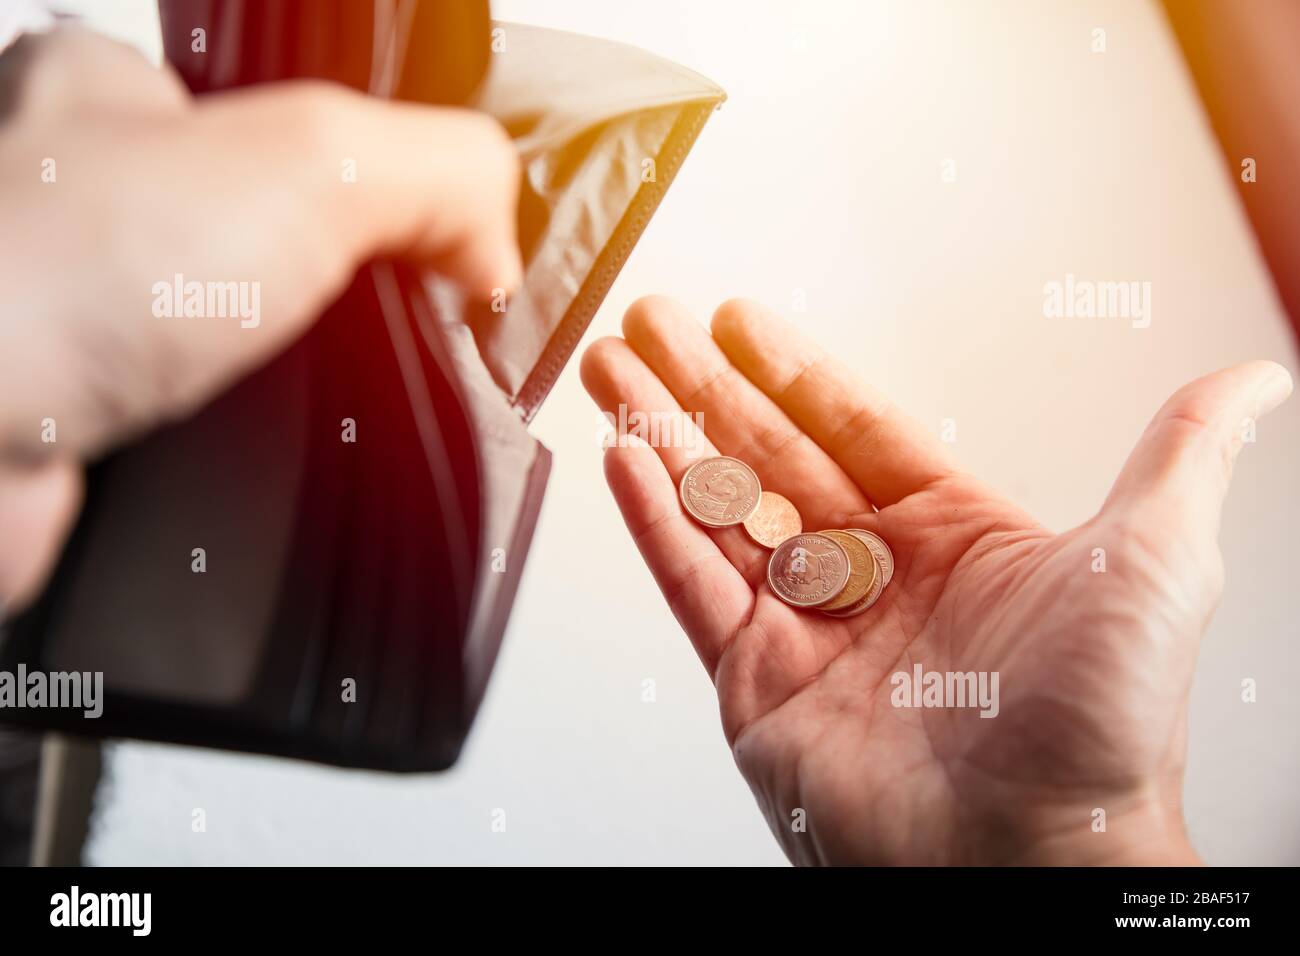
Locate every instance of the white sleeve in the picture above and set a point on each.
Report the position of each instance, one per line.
(23, 16)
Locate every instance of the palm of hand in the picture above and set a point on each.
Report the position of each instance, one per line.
(1093, 666)
(1089, 693)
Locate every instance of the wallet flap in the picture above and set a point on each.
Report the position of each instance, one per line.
(602, 129)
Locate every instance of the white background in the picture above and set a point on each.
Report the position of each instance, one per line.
(821, 176)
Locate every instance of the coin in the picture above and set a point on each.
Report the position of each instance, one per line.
(774, 520)
(808, 569)
(884, 557)
(720, 492)
(867, 600)
(862, 571)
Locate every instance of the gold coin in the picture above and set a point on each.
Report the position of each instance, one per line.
(720, 492)
(884, 557)
(862, 571)
(884, 560)
(808, 569)
(868, 599)
(774, 520)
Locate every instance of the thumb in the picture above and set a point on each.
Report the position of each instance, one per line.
(1182, 464)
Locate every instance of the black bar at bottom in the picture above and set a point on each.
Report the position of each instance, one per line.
(338, 906)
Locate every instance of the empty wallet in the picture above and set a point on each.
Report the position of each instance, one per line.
(320, 563)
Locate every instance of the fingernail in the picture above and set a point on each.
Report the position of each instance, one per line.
(1275, 390)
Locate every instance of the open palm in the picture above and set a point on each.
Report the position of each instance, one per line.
(1092, 634)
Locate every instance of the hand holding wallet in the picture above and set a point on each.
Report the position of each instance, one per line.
(354, 592)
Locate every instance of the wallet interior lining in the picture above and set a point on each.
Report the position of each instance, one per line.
(602, 129)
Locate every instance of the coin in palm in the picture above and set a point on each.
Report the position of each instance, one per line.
(884, 557)
(862, 571)
(720, 492)
(774, 520)
(808, 569)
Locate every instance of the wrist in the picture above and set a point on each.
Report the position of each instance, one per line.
(1148, 834)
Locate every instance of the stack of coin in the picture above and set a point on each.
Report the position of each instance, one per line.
(840, 572)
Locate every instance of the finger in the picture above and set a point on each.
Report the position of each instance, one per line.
(887, 454)
(740, 419)
(707, 594)
(1183, 462)
(614, 375)
(38, 505)
(284, 229)
(435, 184)
(465, 218)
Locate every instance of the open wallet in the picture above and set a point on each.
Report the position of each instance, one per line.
(320, 564)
